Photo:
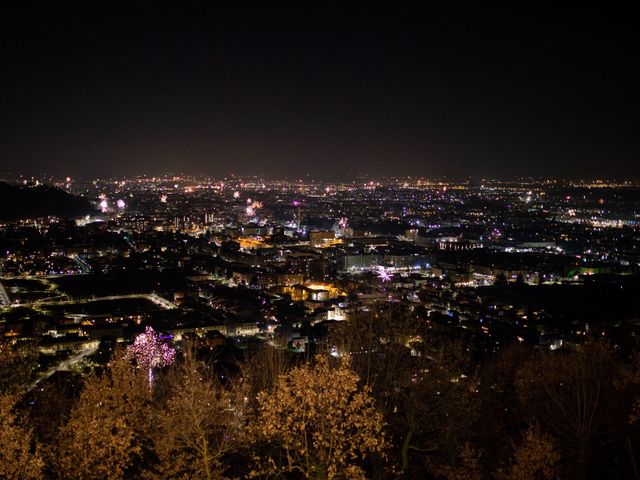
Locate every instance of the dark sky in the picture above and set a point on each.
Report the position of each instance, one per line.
(94, 89)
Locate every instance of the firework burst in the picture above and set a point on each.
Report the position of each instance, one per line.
(383, 274)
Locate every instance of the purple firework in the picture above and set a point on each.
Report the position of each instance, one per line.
(383, 274)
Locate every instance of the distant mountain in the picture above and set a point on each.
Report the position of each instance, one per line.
(17, 202)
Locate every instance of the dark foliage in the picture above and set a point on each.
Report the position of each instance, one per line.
(18, 202)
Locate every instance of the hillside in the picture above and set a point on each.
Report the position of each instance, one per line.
(18, 202)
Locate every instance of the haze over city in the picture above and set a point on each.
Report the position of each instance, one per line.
(97, 89)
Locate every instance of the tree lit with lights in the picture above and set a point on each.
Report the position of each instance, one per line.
(151, 352)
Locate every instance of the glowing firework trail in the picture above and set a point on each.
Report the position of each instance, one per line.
(151, 352)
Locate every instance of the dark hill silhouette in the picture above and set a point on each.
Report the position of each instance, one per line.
(18, 202)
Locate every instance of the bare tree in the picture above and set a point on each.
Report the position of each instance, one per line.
(201, 423)
(108, 426)
(423, 384)
(265, 367)
(469, 466)
(437, 407)
(565, 392)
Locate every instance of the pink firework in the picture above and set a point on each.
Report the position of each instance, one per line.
(383, 274)
(253, 208)
(151, 352)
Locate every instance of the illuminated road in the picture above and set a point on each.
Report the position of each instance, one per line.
(4, 298)
(5, 302)
(69, 363)
(152, 297)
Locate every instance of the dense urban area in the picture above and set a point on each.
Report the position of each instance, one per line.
(192, 327)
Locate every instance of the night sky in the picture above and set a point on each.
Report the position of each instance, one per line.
(148, 88)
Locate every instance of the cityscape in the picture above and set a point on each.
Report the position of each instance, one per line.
(316, 305)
